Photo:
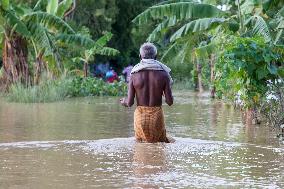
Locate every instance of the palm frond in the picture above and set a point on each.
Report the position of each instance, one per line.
(63, 7)
(179, 52)
(278, 37)
(182, 10)
(75, 39)
(40, 3)
(52, 7)
(171, 52)
(102, 41)
(187, 53)
(107, 51)
(198, 25)
(155, 34)
(176, 1)
(261, 28)
(16, 23)
(40, 36)
(204, 51)
(48, 20)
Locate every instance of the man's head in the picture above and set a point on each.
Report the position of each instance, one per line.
(148, 51)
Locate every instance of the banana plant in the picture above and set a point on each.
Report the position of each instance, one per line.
(180, 21)
(23, 27)
(98, 48)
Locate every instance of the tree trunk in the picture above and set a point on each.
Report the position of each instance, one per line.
(38, 67)
(15, 58)
(212, 63)
(85, 69)
(199, 75)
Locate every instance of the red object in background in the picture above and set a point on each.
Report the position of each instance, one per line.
(113, 78)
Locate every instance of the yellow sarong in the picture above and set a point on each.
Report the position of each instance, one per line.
(149, 124)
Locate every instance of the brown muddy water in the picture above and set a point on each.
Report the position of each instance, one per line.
(88, 143)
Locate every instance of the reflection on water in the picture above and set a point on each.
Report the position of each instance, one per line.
(88, 143)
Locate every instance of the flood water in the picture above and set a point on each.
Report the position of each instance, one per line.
(88, 143)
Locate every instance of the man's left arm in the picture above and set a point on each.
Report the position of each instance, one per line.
(129, 100)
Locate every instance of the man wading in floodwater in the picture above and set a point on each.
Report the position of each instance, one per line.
(149, 81)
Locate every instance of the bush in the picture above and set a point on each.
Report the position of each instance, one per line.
(47, 91)
(244, 69)
(56, 90)
(81, 86)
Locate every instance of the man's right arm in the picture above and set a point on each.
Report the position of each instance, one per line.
(168, 93)
(129, 100)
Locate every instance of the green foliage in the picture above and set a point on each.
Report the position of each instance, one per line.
(49, 21)
(46, 91)
(98, 15)
(199, 25)
(63, 7)
(244, 69)
(52, 7)
(87, 86)
(180, 10)
(56, 90)
(5, 4)
(99, 48)
(184, 84)
(14, 22)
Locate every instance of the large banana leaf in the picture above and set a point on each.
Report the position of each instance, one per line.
(41, 38)
(181, 50)
(199, 25)
(162, 26)
(63, 7)
(181, 10)
(48, 20)
(107, 51)
(40, 3)
(176, 1)
(75, 39)
(16, 23)
(52, 7)
(102, 41)
(260, 27)
(205, 50)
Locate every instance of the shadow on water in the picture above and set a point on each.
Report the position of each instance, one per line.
(88, 143)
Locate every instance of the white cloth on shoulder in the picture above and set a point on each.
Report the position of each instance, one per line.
(152, 64)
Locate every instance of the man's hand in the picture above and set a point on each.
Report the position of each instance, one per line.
(122, 102)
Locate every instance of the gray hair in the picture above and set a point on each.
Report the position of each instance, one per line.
(148, 51)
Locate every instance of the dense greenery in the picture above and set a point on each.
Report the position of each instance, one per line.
(245, 69)
(82, 86)
(65, 87)
(233, 47)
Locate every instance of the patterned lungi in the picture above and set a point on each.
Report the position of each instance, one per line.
(149, 124)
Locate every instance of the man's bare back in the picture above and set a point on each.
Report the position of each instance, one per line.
(148, 86)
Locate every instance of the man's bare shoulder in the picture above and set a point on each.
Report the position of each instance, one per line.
(160, 73)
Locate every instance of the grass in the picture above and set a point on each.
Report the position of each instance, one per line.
(50, 90)
(185, 84)
(47, 91)
(57, 90)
